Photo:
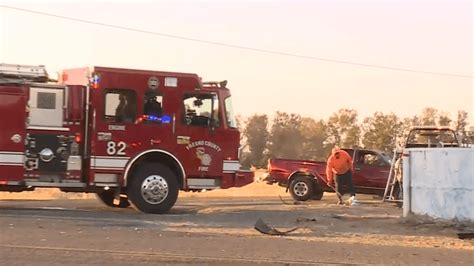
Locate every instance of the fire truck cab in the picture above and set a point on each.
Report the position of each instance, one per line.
(125, 134)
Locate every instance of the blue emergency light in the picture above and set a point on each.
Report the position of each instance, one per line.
(166, 119)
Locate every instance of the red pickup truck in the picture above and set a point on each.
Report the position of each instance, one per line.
(307, 179)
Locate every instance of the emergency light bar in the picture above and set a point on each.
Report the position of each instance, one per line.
(34, 73)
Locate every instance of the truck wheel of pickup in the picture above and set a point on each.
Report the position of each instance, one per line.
(107, 197)
(301, 188)
(153, 188)
(318, 191)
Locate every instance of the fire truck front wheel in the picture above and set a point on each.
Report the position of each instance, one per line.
(153, 189)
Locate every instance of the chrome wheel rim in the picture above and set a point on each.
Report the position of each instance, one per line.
(154, 189)
(300, 189)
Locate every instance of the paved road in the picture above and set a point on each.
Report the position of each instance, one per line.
(220, 231)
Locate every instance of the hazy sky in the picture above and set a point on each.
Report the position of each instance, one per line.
(433, 36)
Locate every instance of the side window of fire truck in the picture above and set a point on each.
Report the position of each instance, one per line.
(120, 106)
(153, 104)
(229, 113)
(201, 110)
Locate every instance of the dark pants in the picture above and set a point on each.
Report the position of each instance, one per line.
(344, 180)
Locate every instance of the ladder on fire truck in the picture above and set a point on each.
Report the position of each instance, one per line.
(11, 72)
(393, 189)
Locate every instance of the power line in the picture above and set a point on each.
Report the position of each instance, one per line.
(238, 46)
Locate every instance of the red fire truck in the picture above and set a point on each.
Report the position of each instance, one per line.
(124, 134)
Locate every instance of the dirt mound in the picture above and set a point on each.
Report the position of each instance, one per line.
(256, 189)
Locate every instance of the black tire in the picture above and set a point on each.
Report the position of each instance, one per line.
(107, 197)
(318, 191)
(153, 188)
(301, 188)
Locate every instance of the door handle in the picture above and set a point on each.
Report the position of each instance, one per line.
(174, 124)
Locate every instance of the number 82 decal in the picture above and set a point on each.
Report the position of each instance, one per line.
(114, 148)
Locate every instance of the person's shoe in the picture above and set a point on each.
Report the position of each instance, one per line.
(353, 200)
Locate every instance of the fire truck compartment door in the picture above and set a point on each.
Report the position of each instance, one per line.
(46, 107)
(114, 130)
(12, 136)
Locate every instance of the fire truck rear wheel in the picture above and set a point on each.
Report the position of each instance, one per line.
(153, 189)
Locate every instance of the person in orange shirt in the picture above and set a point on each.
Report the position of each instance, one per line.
(340, 165)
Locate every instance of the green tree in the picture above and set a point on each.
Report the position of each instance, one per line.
(342, 129)
(429, 116)
(406, 125)
(241, 123)
(460, 125)
(381, 131)
(285, 139)
(256, 133)
(313, 135)
(444, 119)
(461, 122)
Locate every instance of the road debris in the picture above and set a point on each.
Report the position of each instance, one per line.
(469, 235)
(299, 220)
(263, 228)
(289, 203)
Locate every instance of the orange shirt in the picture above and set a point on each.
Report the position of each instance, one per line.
(338, 163)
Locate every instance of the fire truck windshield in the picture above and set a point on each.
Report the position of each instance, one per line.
(229, 113)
